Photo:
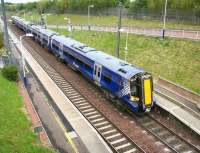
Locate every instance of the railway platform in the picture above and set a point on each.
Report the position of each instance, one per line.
(180, 112)
(82, 129)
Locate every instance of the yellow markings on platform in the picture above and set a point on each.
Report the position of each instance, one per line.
(67, 135)
(68, 138)
(147, 92)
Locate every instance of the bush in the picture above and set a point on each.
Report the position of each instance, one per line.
(10, 72)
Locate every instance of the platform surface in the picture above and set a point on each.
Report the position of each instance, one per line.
(89, 136)
(181, 114)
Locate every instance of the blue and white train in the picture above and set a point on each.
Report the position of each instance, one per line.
(120, 80)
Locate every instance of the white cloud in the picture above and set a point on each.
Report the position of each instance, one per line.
(20, 1)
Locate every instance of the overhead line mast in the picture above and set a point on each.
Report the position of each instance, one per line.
(6, 37)
(118, 31)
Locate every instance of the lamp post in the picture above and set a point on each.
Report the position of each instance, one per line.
(126, 47)
(23, 57)
(6, 37)
(68, 24)
(90, 6)
(24, 14)
(46, 19)
(32, 18)
(164, 20)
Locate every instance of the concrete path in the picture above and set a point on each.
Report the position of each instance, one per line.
(155, 32)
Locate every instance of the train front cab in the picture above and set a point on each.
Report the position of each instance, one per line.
(141, 87)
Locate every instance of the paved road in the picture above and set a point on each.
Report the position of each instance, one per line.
(188, 34)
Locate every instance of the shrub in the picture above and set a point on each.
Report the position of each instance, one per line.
(10, 72)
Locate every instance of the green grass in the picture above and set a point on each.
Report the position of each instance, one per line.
(110, 20)
(15, 129)
(177, 60)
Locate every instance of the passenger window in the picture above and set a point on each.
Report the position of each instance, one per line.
(107, 78)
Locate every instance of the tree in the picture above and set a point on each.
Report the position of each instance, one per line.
(62, 5)
(42, 5)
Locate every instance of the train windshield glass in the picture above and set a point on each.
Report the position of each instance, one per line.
(134, 89)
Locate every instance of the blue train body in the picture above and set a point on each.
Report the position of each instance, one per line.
(120, 80)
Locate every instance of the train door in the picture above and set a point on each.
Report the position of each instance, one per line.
(41, 38)
(97, 73)
(61, 51)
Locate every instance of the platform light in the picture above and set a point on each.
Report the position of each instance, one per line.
(23, 58)
(69, 25)
(126, 47)
(89, 6)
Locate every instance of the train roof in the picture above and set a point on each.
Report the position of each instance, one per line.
(36, 27)
(27, 23)
(48, 32)
(118, 66)
(22, 21)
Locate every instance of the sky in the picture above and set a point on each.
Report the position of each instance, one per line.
(19, 1)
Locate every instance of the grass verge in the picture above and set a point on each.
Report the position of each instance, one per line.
(15, 129)
(177, 60)
(110, 20)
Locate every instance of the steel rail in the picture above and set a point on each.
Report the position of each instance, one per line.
(89, 111)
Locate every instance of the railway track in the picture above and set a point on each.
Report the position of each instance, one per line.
(167, 136)
(176, 98)
(116, 138)
(119, 141)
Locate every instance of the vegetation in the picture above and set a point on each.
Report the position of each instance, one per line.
(15, 132)
(106, 20)
(1, 44)
(156, 5)
(173, 59)
(10, 72)
(61, 5)
(143, 13)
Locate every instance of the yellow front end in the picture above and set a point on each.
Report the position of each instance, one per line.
(147, 92)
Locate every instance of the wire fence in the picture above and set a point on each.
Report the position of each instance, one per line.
(156, 32)
(175, 15)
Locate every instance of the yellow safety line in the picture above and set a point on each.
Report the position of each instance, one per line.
(67, 135)
(64, 129)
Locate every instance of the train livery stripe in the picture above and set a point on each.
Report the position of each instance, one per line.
(147, 92)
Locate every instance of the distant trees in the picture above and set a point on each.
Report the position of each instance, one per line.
(60, 6)
(156, 5)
